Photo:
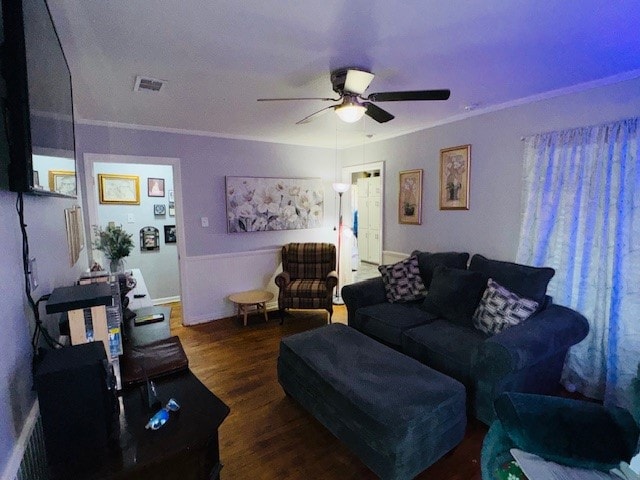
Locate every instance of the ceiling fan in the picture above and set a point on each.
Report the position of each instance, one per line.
(351, 83)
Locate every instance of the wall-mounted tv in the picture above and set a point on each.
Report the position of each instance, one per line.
(38, 102)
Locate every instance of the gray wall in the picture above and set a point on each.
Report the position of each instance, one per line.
(204, 163)
(492, 224)
(47, 239)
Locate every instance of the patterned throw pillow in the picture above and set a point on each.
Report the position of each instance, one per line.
(402, 281)
(500, 308)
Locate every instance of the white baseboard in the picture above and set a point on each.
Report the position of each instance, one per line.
(390, 257)
(162, 301)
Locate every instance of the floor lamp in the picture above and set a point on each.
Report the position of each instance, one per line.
(339, 188)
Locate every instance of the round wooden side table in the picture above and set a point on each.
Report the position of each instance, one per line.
(243, 300)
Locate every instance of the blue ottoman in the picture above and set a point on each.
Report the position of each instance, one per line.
(396, 414)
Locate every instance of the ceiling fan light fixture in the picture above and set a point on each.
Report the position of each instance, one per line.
(350, 111)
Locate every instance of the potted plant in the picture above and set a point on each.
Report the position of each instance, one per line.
(115, 243)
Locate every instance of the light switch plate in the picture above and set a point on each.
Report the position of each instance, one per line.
(204, 221)
(131, 218)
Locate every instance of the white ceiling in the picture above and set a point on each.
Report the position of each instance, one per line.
(219, 56)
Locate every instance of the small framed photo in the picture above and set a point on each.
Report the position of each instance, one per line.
(155, 187)
(172, 209)
(410, 197)
(169, 234)
(159, 209)
(455, 165)
(149, 239)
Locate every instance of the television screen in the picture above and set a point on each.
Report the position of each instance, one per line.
(39, 97)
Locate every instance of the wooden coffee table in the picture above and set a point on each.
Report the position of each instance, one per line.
(259, 298)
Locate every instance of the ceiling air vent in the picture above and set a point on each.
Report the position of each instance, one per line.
(148, 84)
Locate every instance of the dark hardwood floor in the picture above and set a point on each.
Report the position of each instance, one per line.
(267, 435)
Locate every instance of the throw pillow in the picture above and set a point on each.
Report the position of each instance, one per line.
(526, 281)
(402, 281)
(428, 261)
(454, 294)
(500, 308)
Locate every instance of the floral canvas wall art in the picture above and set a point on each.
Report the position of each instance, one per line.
(410, 198)
(455, 164)
(256, 204)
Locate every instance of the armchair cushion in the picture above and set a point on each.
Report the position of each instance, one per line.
(454, 294)
(570, 432)
(526, 281)
(402, 281)
(306, 288)
(500, 308)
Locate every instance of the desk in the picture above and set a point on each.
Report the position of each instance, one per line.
(140, 289)
(185, 448)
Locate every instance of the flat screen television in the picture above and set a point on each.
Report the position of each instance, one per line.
(38, 102)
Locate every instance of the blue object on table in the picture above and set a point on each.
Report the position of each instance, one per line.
(161, 417)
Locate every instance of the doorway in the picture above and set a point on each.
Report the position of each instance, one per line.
(158, 209)
(366, 208)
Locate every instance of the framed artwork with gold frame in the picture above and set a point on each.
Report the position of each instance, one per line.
(455, 167)
(62, 181)
(119, 189)
(410, 197)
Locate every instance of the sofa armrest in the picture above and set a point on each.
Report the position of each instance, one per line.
(332, 280)
(282, 279)
(549, 332)
(362, 294)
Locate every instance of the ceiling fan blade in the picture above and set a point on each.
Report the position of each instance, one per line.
(409, 95)
(377, 113)
(357, 81)
(300, 98)
(315, 115)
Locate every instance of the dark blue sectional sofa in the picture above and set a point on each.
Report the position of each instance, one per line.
(438, 330)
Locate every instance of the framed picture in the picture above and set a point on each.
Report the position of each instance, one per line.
(169, 234)
(410, 197)
(455, 165)
(159, 209)
(258, 204)
(149, 239)
(172, 209)
(119, 189)
(155, 187)
(170, 195)
(62, 181)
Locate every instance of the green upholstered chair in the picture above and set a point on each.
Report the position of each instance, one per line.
(569, 432)
(308, 277)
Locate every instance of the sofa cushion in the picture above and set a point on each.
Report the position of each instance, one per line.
(454, 294)
(402, 281)
(500, 308)
(447, 347)
(526, 281)
(386, 321)
(428, 261)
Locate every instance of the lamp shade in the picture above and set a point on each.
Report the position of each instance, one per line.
(340, 187)
(350, 112)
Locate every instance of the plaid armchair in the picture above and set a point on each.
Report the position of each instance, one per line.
(308, 277)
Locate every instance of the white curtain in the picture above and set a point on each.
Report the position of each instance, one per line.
(581, 216)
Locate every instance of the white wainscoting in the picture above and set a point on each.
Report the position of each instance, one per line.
(209, 279)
